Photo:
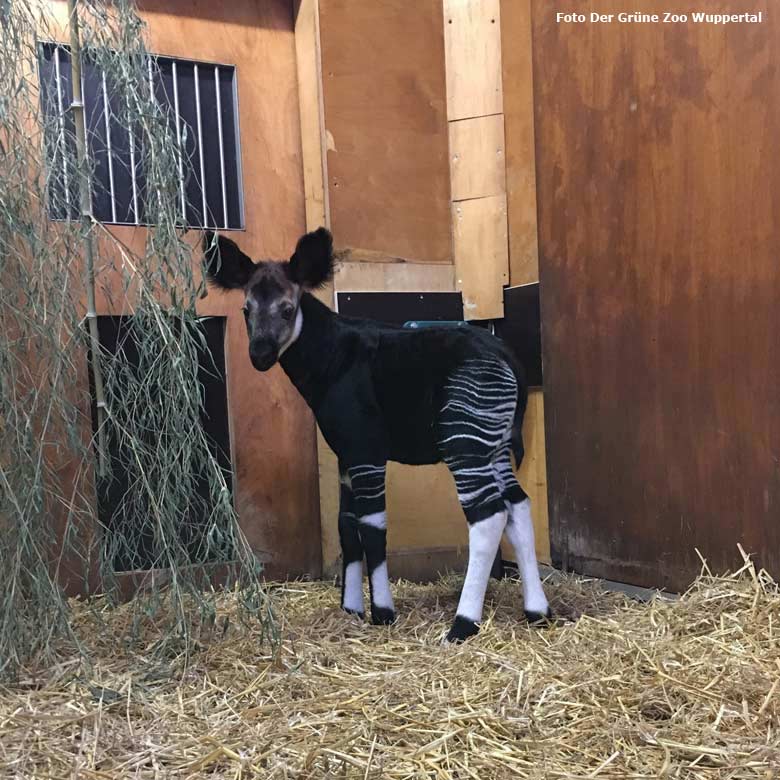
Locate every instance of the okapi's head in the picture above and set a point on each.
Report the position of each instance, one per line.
(272, 289)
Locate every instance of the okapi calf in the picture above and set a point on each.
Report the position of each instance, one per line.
(384, 393)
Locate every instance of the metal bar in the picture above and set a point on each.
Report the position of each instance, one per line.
(239, 165)
(200, 147)
(61, 123)
(221, 149)
(110, 150)
(152, 98)
(131, 141)
(178, 141)
(151, 79)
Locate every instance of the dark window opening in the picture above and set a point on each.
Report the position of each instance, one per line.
(200, 100)
(132, 523)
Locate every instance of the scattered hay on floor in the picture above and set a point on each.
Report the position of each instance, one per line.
(687, 689)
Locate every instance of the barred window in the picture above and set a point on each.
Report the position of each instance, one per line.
(202, 105)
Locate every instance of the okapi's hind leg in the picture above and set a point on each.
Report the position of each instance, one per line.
(474, 427)
(351, 552)
(484, 538)
(520, 531)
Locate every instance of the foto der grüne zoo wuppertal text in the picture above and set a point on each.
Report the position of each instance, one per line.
(666, 17)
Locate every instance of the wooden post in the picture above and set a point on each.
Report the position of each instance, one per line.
(472, 47)
(309, 64)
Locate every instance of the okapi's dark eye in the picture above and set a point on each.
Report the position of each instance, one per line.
(245, 311)
(287, 310)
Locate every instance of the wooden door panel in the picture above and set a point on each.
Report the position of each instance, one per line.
(659, 228)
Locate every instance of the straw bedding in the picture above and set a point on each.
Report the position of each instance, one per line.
(619, 689)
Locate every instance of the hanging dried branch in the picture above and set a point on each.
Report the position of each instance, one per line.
(85, 207)
(163, 473)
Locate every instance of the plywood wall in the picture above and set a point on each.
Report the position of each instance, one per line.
(518, 87)
(383, 80)
(475, 105)
(272, 429)
(659, 218)
(523, 264)
(395, 170)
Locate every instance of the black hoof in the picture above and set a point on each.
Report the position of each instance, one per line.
(462, 629)
(361, 615)
(539, 619)
(382, 616)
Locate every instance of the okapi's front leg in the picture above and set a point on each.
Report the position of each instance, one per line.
(368, 491)
(351, 552)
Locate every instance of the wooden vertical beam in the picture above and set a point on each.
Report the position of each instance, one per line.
(472, 50)
(518, 89)
(493, 183)
(310, 102)
(517, 66)
(315, 177)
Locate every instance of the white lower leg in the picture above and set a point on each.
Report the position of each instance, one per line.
(484, 538)
(380, 582)
(380, 587)
(353, 586)
(520, 530)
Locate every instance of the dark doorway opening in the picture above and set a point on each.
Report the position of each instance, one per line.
(136, 550)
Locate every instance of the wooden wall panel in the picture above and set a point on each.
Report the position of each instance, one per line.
(384, 89)
(481, 260)
(395, 277)
(516, 61)
(659, 218)
(477, 159)
(533, 476)
(272, 430)
(472, 40)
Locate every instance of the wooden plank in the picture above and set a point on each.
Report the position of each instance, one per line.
(387, 277)
(427, 564)
(307, 50)
(532, 475)
(477, 159)
(422, 508)
(472, 45)
(313, 143)
(659, 221)
(517, 66)
(356, 255)
(481, 255)
(385, 113)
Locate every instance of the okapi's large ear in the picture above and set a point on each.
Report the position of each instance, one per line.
(227, 267)
(312, 264)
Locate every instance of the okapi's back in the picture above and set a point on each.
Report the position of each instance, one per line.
(412, 371)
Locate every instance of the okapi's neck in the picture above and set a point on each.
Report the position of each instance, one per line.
(306, 361)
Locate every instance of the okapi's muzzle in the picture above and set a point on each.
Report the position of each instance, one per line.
(263, 354)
